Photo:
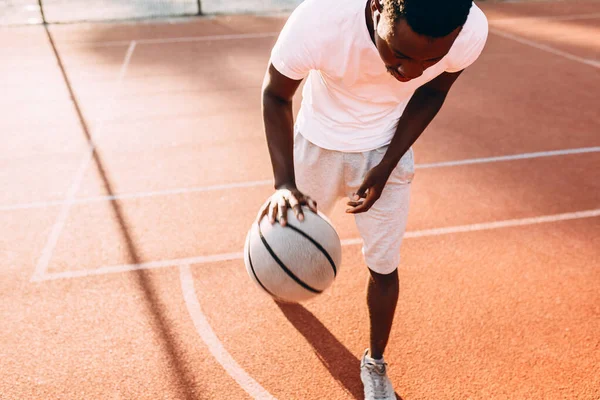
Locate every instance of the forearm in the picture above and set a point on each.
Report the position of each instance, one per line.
(420, 111)
(278, 120)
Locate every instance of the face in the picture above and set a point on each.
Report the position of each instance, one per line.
(405, 53)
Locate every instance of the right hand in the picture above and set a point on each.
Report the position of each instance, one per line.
(277, 205)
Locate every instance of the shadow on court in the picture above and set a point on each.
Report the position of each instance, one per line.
(183, 378)
(215, 76)
(181, 375)
(341, 363)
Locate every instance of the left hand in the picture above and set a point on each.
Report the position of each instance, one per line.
(370, 190)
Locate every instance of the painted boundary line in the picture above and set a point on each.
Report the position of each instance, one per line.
(347, 242)
(572, 17)
(184, 39)
(44, 260)
(549, 49)
(266, 182)
(214, 345)
(123, 196)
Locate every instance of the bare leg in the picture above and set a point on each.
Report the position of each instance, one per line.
(382, 297)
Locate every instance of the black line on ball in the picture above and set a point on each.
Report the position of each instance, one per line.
(254, 272)
(283, 267)
(317, 245)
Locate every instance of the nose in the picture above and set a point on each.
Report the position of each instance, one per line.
(411, 70)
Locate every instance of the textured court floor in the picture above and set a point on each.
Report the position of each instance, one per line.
(121, 273)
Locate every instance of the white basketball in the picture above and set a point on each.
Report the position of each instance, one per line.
(296, 262)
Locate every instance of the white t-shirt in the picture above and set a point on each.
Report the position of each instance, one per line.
(350, 102)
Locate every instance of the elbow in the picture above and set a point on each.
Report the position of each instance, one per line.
(271, 98)
(432, 93)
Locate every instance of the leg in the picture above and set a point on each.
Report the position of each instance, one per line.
(382, 297)
(382, 229)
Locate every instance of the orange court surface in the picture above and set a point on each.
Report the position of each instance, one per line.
(133, 162)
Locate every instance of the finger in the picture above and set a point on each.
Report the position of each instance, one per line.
(365, 205)
(355, 203)
(361, 193)
(362, 207)
(312, 204)
(272, 212)
(282, 214)
(363, 189)
(295, 205)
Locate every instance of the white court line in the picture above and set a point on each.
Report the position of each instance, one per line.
(59, 225)
(573, 17)
(143, 266)
(44, 260)
(549, 49)
(246, 382)
(242, 36)
(184, 39)
(347, 242)
(493, 225)
(513, 157)
(138, 195)
(266, 182)
(234, 370)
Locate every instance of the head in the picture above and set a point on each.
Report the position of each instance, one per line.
(413, 35)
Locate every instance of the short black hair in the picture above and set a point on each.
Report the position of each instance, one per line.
(432, 18)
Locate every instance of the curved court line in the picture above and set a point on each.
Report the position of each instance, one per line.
(213, 343)
(266, 182)
(59, 224)
(346, 242)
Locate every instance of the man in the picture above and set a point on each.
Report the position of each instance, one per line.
(377, 74)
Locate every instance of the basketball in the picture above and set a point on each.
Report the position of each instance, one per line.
(295, 262)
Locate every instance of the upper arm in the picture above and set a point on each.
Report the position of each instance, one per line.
(443, 82)
(279, 86)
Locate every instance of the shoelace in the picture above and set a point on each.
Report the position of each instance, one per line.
(377, 375)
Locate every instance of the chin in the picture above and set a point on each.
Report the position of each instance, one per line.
(403, 78)
(398, 76)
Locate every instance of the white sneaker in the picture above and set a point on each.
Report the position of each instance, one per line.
(374, 378)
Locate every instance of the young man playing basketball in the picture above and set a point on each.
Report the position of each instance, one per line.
(377, 73)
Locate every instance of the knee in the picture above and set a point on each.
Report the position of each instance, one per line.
(387, 281)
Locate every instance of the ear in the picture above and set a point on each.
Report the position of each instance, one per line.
(376, 5)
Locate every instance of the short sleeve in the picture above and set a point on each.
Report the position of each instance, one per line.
(295, 51)
(470, 42)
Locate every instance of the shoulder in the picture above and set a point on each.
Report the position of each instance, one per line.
(307, 38)
(474, 31)
(477, 24)
(470, 42)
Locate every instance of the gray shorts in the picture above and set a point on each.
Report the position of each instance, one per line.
(327, 176)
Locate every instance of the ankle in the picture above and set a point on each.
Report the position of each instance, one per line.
(375, 355)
